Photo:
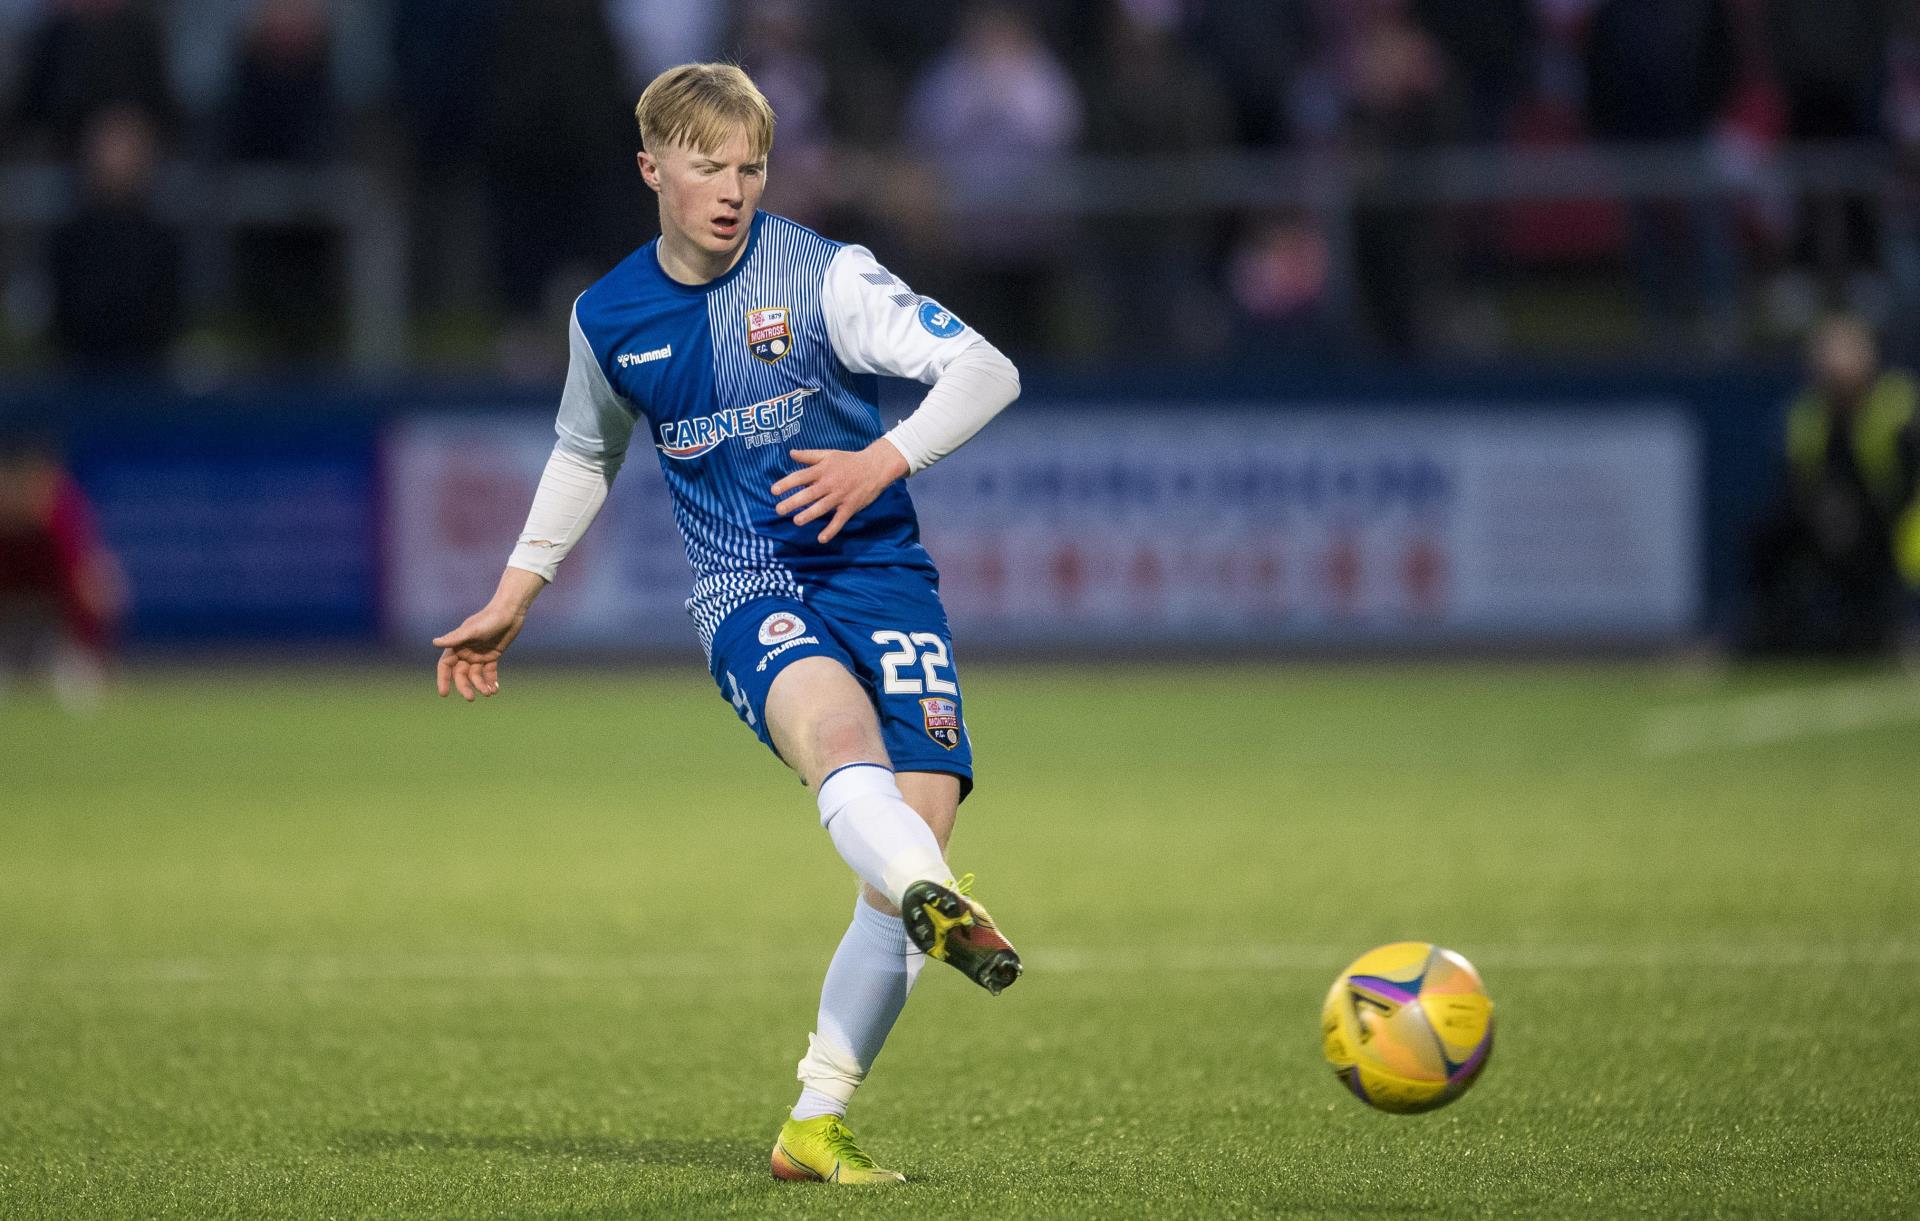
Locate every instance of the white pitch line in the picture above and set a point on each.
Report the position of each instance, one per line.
(1200, 959)
(1780, 716)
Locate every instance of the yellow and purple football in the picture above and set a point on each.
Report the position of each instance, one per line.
(1408, 1027)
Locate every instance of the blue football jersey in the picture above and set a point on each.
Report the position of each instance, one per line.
(783, 352)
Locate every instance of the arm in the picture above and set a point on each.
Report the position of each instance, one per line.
(876, 324)
(594, 427)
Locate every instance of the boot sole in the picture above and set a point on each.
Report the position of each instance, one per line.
(995, 970)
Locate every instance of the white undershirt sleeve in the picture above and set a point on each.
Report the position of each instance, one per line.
(571, 491)
(878, 325)
(594, 426)
(977, 385)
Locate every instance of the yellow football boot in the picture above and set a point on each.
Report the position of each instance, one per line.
(822, 1150)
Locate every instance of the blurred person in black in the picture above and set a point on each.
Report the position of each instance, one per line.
(281, 110)
(876, 50)
(554, 138)
(1831, 59)
(1493, 46)
(1840, 553)
(1661, 73)
(61, 590)
(115, 265)
(996, 107)
(439, 50)
(780, 47)
(1260, 51)
(1148, 97)
(654, 35)
(1400, 101)
(17, 18)
(84, 57)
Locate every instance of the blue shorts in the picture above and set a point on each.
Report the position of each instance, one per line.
(888, 629)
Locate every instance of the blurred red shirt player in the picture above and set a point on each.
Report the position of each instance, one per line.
(61, 590)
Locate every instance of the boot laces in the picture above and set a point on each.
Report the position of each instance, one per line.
(839, 1140)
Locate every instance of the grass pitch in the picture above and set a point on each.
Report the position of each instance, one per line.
(278, 945)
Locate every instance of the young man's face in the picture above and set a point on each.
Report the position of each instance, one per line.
(707, 198)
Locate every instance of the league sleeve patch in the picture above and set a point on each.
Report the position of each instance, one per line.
(942, 717)
(939, 321)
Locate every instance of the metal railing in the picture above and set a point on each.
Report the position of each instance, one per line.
(1333, 186)
(209, 204)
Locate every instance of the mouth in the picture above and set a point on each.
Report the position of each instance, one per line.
(725, 226)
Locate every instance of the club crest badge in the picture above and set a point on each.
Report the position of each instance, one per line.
(942, 717)
(769, 337)
(779, 626)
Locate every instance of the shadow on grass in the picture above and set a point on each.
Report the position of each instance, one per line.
(711, 1154)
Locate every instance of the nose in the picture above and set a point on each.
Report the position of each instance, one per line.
(733, 189)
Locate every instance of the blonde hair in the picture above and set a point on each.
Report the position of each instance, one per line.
(698, 105)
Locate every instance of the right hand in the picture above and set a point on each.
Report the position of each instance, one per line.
(470, 653)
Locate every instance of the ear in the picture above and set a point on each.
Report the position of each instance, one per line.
(649, 168)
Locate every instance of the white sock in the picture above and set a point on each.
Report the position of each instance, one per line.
(867, 985)
(877, 832)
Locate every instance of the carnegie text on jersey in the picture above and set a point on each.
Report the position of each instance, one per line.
(765, 423)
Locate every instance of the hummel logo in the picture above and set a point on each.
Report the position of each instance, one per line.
(628, 360)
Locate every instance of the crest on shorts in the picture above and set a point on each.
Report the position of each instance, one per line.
(942, 717)
(768, 335)
(779, 626)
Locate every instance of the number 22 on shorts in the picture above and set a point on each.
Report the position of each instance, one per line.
(924, 649)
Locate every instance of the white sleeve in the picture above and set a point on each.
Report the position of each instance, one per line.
(878, 325)
(594, 422)
(570, 495)
(977, 385)
(594, 427)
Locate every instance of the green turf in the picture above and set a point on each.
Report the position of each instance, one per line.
(274, 946)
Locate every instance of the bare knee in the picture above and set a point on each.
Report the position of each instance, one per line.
(843, 736)
(820, 718)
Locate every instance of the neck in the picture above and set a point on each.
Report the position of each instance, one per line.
(686, 262)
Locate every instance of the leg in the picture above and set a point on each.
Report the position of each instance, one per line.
(842, 723)
(871, 975)
(821, 721)
(825, 733)
(824, 726)
(934, 796)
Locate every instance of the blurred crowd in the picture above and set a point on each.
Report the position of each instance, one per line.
(503, 129)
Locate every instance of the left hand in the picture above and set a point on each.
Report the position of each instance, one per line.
(837, 481)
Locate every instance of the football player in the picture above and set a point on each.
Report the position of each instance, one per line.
(747, 350)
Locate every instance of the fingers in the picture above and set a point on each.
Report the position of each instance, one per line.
(490, 674)
(802, 497)
(470, 658)
(798, 479)
(463, 678)
(817, 509)
(812, 498)
(840, 518)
